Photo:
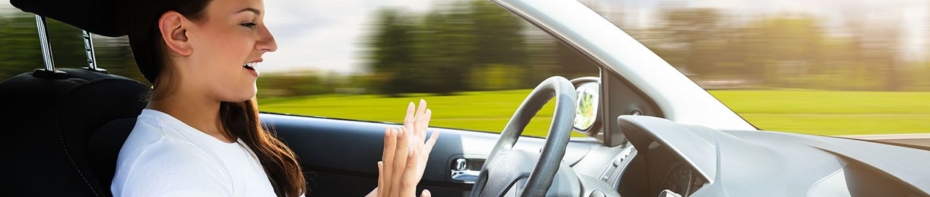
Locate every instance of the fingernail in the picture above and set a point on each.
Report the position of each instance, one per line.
(410, 150)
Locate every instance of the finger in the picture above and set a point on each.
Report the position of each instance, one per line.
(411, 124)
(408, 185)
(426, 193)
(390, 143)
(408, 119)
(390, 148)
(400, 159)
(420, 124)
(426, 150)
(423, 124)
(428, 147)
(380, 188)
(422, 108)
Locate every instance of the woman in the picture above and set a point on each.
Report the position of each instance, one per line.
(200, 134)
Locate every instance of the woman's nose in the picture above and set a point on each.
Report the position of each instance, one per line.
(266, 40)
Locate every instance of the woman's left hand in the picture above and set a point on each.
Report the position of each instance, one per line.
(405, 154)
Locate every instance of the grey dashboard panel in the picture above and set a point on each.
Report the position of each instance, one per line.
(761, 163)
(688, 143)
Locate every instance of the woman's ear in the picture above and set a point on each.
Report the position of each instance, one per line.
(173, 31)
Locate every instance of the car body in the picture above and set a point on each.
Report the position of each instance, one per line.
(655, 133)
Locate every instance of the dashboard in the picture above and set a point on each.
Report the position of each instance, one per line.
(639, 153)
(697, 161)
(681, 180)
(643, 172)
(647, 173)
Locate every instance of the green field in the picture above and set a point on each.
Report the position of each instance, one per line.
(800, 111)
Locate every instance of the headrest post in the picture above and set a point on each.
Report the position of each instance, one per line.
(43, 40)
(89, 49)
(91, 55)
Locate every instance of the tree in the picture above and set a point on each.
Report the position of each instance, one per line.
(786, 48)
(498, 34)
(391, 52)
(692, 35)
(444, 48)
(438, 51)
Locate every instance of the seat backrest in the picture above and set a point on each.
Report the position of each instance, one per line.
(48, 123)
(104, 146)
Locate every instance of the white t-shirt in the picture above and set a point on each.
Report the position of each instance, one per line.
(166, 157)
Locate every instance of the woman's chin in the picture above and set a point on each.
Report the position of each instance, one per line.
(249, 97)
(245, 96)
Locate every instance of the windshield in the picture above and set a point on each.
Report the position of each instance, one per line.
(826, 68)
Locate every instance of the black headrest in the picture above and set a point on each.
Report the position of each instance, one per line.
(96, 16)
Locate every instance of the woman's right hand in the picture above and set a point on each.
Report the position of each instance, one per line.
(405, 154)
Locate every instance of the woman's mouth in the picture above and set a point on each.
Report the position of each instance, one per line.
(251, 67)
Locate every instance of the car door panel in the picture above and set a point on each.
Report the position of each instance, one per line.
(339, 157)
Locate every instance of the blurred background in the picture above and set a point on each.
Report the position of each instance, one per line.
(827, 67)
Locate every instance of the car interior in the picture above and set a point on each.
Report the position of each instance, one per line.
(70, 123)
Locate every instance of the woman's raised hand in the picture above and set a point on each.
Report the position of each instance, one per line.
(405, 154)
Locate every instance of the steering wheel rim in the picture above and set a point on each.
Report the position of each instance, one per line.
(544, 171)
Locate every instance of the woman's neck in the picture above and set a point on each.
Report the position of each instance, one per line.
(201, 113)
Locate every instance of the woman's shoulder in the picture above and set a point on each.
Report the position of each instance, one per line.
(154, 138)
(154, 152)
(153, 145)
(169, 165)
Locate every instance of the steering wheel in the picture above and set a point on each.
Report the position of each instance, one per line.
(507, 169)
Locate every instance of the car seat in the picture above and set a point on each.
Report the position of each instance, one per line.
(65, 127)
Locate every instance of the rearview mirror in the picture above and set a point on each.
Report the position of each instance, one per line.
(586, 106)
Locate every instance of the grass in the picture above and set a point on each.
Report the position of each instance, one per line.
(801, 111)
(832, 112)
(481, 111)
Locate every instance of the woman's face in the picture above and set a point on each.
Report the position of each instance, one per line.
(228, 41)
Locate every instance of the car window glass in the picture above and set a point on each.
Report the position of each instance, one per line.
(472, 61)
(825, 68)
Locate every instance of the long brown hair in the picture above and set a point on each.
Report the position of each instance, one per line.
(239, 119)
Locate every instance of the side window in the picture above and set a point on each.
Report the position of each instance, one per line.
(472, 61)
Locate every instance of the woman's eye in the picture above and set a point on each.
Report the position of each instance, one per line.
(249, 25)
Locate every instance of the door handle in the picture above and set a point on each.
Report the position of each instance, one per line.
(467, 176)
(465, 173)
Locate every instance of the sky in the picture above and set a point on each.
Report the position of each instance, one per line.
(328, 36)
(324, 34)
